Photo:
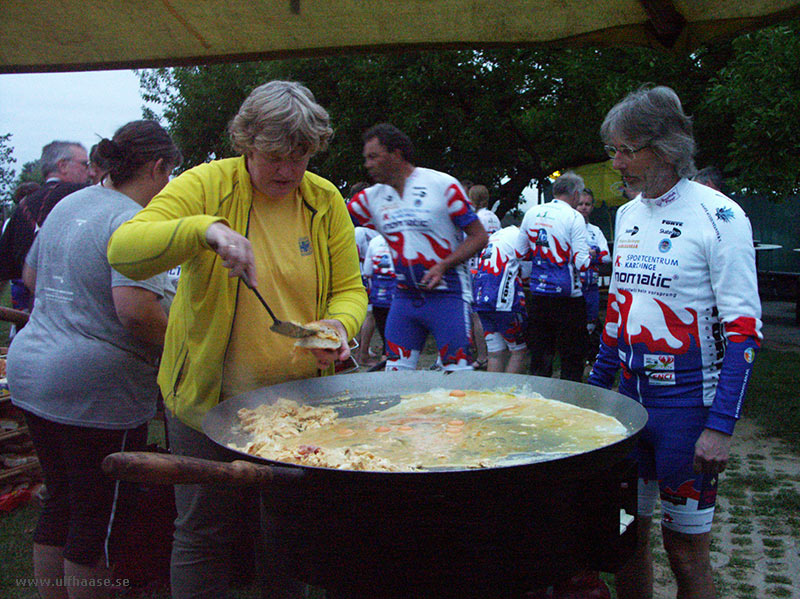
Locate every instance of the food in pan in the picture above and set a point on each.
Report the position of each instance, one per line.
(438, 429)
(326, 337)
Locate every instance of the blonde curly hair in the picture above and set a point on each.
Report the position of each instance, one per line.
(280, 118)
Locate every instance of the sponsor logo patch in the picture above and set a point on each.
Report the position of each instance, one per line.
(724, 214)
(673, 232)
(660, 378)
(659, 362)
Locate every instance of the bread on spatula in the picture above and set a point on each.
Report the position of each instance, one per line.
(326, 337)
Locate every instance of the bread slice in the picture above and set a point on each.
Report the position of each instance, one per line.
(326, 337)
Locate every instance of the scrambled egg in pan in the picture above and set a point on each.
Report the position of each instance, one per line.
(438, 429)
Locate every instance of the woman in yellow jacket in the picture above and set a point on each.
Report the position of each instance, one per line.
(264, 216)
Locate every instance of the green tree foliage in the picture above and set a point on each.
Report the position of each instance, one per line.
(198, 104)
(30, 172)
(757, 95)
(501, 117)
(7, 171)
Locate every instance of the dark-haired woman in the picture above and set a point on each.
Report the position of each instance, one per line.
(84, 369)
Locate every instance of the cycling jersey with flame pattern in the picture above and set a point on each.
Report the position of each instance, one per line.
(683, 319)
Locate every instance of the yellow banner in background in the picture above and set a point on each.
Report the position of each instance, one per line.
(604, 181)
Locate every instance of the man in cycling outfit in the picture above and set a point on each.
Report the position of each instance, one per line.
(553, 235)
(683, 324)
(421, 213)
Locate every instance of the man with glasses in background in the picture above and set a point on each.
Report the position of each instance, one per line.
(683, 323)
(65, 168)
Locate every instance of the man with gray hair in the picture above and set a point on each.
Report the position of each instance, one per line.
(710, 176)
(684, 324)
(553, 237)
(65, 168)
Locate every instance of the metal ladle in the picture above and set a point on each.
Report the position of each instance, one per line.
(282, 327)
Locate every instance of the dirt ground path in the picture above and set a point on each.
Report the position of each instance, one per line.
(755, 548)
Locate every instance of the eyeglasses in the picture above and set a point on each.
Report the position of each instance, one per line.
(626, 152)
(84, 163)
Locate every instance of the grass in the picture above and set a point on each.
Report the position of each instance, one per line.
(739, 560)
(15, 550)
(741, 529)
(757, 484)
(773, 397)
(745, 589)
(5, 327)
(783, 501)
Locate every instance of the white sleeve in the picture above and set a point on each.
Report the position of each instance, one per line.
(523, 244)
(33, 253)
(611, 327)
(366, 268)
(732, 265)
(580, 249)
(604, 251)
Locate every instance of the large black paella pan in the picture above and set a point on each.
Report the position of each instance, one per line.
(457, 531)
(443, 532)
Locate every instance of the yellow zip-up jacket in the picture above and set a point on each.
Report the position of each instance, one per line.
(171, 231)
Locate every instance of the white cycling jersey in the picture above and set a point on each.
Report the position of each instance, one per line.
(363, 236)
(489, 220)
(497, 286)
(379, 272)
(554, 236)
(492, 224)
(683, 290)
(597, 241)
(422, 227)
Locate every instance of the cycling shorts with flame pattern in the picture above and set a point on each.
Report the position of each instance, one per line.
(665, 455)
(504, 330)
(413, 316)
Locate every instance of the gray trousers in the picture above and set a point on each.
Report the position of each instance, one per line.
(209, 525)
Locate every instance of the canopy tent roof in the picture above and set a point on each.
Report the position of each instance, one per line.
(69, 35)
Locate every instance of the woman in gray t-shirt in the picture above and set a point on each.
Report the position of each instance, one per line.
(84, 367)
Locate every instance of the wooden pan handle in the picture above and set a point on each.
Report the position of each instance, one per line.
(18, 317)
(168, 469)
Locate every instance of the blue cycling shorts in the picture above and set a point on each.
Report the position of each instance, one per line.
(413, 316)
(504, 330)
(665, 455)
